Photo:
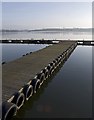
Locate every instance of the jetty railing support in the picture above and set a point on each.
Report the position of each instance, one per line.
(11, 106)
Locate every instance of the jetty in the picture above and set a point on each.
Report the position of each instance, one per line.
(85, 42)
(22, 78)
(30, 41)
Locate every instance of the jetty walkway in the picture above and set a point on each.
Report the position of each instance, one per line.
(30, 41)
(21, 78)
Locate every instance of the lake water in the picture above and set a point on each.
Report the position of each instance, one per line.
(11, 52)
(65, 35)
(68, 93)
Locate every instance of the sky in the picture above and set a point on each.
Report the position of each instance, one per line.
(37, 15)
(47, 0)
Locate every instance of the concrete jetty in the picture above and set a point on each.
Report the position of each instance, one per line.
(30, 41)
(18, 75)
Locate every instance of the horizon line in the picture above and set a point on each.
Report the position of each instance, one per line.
(51, 28)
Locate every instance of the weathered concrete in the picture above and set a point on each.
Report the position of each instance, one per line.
(17, 73)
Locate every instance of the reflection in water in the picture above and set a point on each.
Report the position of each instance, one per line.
(32, 101)
(68, 94)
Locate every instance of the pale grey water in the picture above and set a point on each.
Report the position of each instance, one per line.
(68, 94)
(13, 51)
(48, 35)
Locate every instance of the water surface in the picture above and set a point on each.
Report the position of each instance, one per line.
(11, 52)
(65, 35)
(68, 94)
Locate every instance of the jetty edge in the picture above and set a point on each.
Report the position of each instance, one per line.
(44, 41)
(21, 78)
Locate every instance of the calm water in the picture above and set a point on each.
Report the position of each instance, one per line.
(68, 94)
(48, 35)
(11, 52)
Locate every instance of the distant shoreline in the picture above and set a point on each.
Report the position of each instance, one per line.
(51, 30)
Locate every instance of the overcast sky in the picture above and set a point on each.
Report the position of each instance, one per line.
(30, 15)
